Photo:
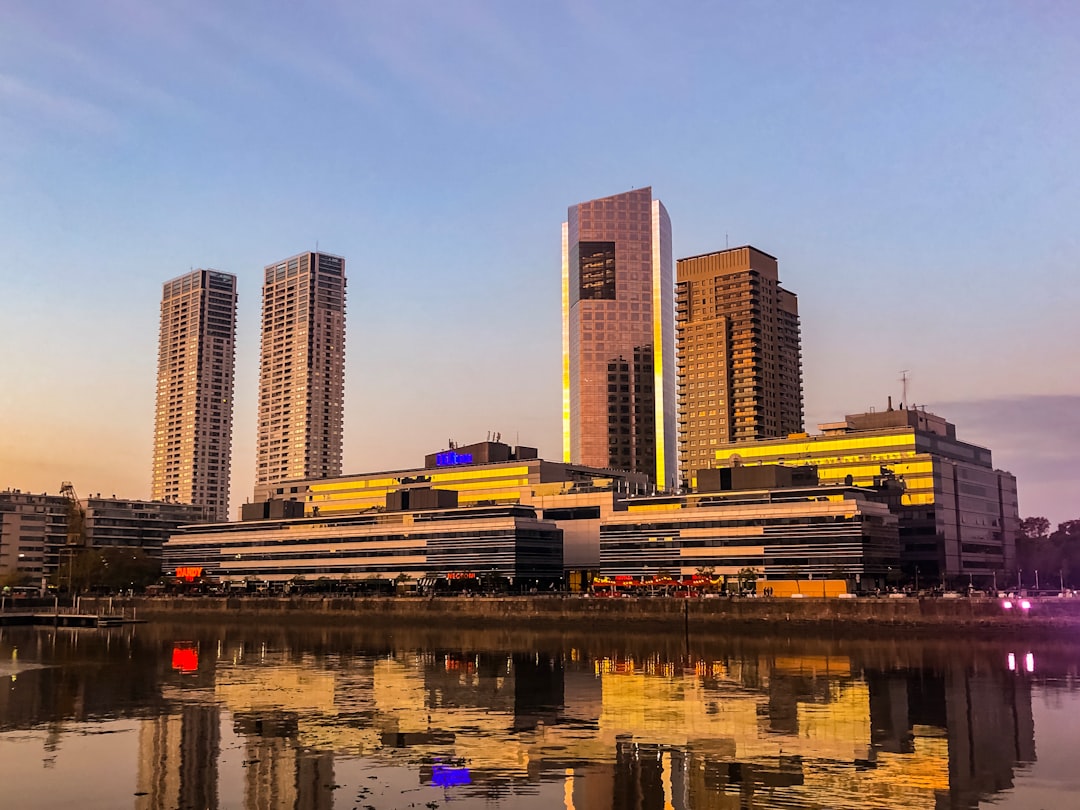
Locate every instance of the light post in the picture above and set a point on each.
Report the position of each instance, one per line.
(1036, 579)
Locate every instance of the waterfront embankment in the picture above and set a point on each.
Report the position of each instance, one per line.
(851, 617)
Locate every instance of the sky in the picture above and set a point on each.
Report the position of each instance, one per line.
(912, 165)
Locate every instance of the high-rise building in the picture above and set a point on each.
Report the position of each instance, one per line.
(302, 370)
(193, 419)
(740, 364)
(619, 336)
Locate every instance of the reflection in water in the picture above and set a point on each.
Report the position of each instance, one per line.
(317, 719)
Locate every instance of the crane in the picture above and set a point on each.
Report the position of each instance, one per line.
(76, 516)
(76, 529)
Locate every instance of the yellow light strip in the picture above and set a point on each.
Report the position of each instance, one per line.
(658, 348)
(566, 340)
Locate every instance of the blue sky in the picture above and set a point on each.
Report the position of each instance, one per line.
(912, 165)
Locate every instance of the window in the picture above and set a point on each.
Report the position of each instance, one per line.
(596, 262)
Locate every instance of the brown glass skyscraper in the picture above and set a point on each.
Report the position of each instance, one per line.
(618, 336)
(193, 417)
(302, 370)
(740, 357)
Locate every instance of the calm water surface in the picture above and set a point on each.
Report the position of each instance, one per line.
(201, 716)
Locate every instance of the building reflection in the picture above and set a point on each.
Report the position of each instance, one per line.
(178, 759)
(751, 727)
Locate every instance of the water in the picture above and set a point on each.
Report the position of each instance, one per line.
(224, 716)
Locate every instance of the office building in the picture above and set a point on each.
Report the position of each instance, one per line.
(193, 418)
(790, 532)
(619, 336)
(740, 366)
(525, 519)
(302, 370)
(481, 474)
(508, 542)
(958, 515)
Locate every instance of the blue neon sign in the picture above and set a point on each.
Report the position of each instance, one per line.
(449, 458)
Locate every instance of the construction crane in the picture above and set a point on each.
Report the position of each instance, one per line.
(76, 516)
(76, 530)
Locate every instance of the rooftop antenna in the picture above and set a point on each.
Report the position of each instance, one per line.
(727, 242)
(903, 381)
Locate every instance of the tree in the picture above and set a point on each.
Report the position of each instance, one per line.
(1032, 528)
(113, 569)
(1056, 555)
(747, 579)
(14, 579)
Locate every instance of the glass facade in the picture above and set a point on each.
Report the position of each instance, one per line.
(958, 515)
(821, 533)
(506, 541)
(618, 336)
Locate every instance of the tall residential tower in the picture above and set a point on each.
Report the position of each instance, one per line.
(193, 419)
(302, 370)
(740, 357)
(619, 336)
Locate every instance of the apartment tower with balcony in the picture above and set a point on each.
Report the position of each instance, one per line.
(193, 416)
(302, 370)
(740, 357)
(619, 336)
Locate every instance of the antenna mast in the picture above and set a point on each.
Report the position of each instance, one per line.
(903, 381)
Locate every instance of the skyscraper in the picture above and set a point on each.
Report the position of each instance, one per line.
(619, 336)
(740, 360)
(302, 370)
(193, 418)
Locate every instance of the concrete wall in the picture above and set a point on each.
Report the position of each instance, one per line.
(852, 617)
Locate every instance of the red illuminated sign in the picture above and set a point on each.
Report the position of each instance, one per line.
(189, 573)
(185, 657)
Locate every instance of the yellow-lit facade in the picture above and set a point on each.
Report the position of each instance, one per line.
(546, 486)
(958, 515)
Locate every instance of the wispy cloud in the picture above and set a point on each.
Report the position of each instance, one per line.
(43, 106)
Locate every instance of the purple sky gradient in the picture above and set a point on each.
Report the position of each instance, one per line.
(912, 165)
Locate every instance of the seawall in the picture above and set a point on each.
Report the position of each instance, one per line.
(932, 617)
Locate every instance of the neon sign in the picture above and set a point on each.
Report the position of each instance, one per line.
(449, 458)
(189, 573)
(449, 776)
(185, 657)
